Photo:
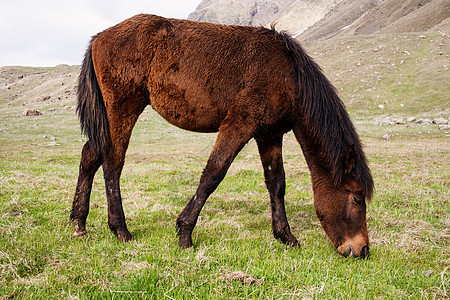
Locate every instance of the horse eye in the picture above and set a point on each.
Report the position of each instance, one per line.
(356, 200)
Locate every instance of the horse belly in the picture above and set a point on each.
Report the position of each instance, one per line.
(187, 107)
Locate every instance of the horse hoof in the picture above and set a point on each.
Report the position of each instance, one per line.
(124, 236)
(79, 233)
(79, 228)
(185, 242)
(290, 241)
(295, 244)
(184, 233)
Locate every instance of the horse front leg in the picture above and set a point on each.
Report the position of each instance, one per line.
(234, 133)
(89, 164)
(272, 161)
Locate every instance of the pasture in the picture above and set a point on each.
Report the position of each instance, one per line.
(235, 255)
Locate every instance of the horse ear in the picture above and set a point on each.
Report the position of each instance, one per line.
(349, 159)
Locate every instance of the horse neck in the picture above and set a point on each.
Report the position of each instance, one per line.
(328, 166)
(319, 166)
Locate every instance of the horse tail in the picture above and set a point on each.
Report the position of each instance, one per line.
(326, 118)
(91, 109)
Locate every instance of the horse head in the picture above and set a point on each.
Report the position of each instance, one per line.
(342, 214)
(342, 210)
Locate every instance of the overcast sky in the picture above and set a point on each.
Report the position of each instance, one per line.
(52, 32)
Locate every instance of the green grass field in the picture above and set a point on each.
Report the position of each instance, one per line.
(235, 255)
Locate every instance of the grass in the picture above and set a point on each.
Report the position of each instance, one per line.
(234, 254)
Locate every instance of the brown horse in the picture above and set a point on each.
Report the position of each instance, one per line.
(242, 82)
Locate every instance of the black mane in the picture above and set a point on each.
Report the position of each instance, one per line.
(327, 121)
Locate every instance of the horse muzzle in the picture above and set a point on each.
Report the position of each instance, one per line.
(356, 247)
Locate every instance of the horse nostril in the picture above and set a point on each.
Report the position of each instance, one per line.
(364, 251)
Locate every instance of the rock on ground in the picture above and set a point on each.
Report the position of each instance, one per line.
(31, 112)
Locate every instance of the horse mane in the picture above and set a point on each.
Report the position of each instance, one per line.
(327, 121)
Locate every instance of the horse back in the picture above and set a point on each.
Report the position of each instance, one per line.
(195, 73)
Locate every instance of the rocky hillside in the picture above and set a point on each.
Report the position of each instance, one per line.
(364, 17)
(33, 91)
(291, 15)
(237, 12)
(323, 19)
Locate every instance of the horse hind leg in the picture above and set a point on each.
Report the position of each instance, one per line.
(112, 169)
(272, 161)
(112, 162)
(120, 131)
(89, 164)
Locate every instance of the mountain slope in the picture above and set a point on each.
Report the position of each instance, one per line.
(239, 12)
(291, 15)
(364, 17)
(323, 19)
(435, 13)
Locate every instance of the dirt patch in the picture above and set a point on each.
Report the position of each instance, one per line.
(242, 277)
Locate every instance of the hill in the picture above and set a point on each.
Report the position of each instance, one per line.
(407, 74)
(47, 90)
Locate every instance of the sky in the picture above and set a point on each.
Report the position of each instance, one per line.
(46, 33)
